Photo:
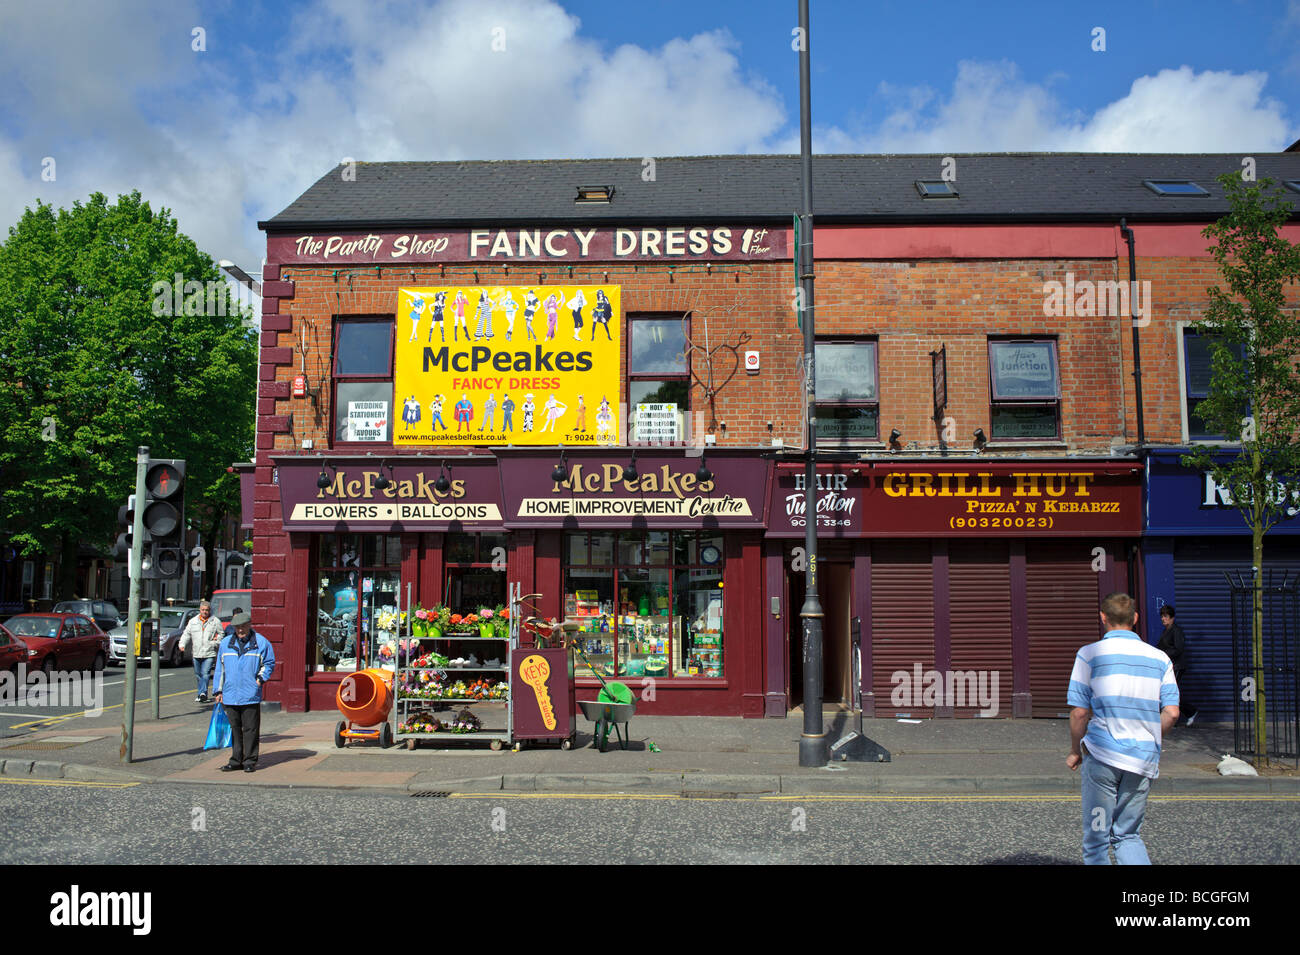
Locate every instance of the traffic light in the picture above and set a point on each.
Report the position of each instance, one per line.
(122, 551)
(164, 516)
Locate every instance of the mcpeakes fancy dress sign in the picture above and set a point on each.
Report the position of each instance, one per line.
(507, 365)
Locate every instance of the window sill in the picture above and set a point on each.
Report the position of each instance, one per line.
(1033, 444)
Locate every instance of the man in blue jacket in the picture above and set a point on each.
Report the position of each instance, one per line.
(244, 663)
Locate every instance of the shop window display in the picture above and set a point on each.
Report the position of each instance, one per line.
(354, 603)
(649, 602)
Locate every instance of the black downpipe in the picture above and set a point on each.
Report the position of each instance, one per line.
(1137, 348)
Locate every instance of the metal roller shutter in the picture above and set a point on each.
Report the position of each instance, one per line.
(1061, 595)
(902, 621)
(1201, 597)
(980, 617)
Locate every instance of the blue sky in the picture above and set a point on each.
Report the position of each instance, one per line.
(118, 97)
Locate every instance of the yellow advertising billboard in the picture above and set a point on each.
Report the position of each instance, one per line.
(507, 364)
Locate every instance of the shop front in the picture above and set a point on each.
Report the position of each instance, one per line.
(370, 538)
(1194, 536)
(974, 584)
(657, 557)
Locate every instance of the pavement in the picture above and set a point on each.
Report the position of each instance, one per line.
(698, 755)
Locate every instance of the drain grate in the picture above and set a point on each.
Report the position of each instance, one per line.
(430, 794)
(39, 744)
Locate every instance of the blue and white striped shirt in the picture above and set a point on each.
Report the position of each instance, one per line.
(1125, 682)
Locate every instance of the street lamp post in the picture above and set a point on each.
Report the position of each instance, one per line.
(812, 744)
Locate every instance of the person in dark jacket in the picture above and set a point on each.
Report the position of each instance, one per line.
(244, 664)
(1173, 642)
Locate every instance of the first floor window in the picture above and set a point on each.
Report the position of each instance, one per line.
(848, 406)
(1024, 385)
(1198, 368)
(363, 381)
(658, 386)
(649, 602)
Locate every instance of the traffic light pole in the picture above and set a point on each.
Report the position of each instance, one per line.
(155, 639)
(133, 606)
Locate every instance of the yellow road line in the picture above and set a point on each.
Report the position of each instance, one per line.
(884, 797)
(50, 720)
(65, 782)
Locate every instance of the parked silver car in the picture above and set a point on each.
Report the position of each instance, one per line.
(173, 623)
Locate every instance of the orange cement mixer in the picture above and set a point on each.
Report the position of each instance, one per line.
(365, 698)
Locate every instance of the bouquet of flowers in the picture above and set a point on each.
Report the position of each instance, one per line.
(420, 723)
(466, 722)
(429, 659)
(386, 620)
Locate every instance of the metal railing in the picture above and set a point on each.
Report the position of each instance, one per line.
(1275, 676)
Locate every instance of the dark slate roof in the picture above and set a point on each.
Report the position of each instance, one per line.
(994, 187)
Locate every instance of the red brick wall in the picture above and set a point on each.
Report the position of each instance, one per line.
(913, 306)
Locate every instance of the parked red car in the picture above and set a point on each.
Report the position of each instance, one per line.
(12, 651)
(60, 641)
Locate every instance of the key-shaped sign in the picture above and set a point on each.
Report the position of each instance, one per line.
(535, 671)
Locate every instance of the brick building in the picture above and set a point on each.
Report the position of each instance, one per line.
(981, 473)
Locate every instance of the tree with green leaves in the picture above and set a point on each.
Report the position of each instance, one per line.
(1254, 395)
(102, 349)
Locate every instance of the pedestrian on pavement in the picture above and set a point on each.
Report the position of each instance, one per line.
(202, 636)
(244, 664)
(1174, 643)
(1124, 698)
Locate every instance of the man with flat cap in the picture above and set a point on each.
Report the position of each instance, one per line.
(244, 663)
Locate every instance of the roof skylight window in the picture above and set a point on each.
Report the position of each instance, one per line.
(936, 189)
(595, 194)
(1183, 188)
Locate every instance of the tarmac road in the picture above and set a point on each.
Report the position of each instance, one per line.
(60, 821)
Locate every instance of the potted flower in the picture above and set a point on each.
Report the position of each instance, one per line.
(420, 622)
(503, 622)
(455, 621)
(487, 629)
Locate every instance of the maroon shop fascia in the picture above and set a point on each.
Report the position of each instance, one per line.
(993, 569)
(664, 571)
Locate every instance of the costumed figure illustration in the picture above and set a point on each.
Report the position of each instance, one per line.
(528, 409)
(459, 304)
(576, 304)
(531, 304)
(439, 303)
(554, 411)
(411, 412)
(581, 423)
(435, 413)
(508, 305)
(604, 418)
(552, 306)
(417, 309)
(483, 324)
(489, 409)
(464, 412)
(601, 314)
(507, 414)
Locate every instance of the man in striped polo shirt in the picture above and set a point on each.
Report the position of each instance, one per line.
(1124, 698)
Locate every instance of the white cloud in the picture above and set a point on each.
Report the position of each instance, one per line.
(115, 93)
(991, 108)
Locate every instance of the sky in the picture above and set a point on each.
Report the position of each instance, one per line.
(224, 112)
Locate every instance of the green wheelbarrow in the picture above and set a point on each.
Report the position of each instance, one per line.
(606, 713)
(615, 704)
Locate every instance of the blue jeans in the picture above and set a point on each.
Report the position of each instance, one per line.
(203, 672)
(1114, 803)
